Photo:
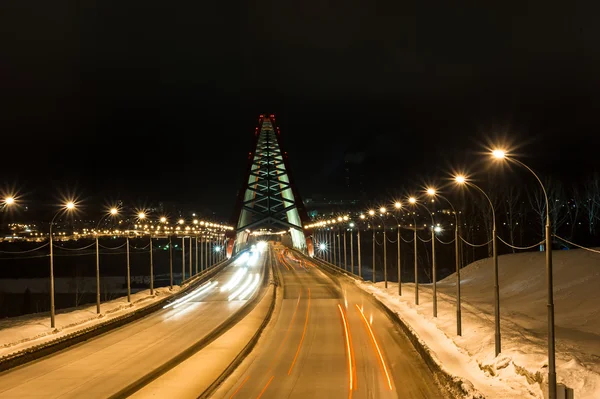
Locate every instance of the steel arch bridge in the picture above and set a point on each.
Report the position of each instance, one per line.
(268, 203)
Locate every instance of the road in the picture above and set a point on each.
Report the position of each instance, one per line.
(329, 340)
(105, 365)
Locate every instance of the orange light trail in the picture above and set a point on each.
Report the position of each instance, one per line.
(303, 334)
(265, 388)
(240, 387)
(287, 333)
(351, 369)
(389, 381)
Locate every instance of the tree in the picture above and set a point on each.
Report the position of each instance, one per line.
(513, 210)
(591, 202)
(556, 200)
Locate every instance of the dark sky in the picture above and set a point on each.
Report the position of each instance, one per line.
(158, 100)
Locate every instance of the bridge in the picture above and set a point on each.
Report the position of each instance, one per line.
(284, 311)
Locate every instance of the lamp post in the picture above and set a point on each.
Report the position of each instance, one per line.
(398, 205)
(66, 208)
(461, 180)
(413, 201)
(345, 259)
(372, 213)
(339, 236)
(434, 193)
(362, 217)
(112, 212)
(501, 155)
(351, 247)
(383, 211)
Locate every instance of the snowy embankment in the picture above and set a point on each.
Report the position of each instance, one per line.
(521, 369)
(24, 332)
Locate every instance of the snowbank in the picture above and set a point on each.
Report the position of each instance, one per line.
(522, 365)
(19, 333)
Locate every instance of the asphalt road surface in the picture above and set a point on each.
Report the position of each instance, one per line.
(330, 340)
(105, 365)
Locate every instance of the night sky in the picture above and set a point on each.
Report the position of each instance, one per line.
(157, 101)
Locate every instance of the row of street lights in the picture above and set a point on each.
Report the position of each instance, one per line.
(326, 231)
(211, 254)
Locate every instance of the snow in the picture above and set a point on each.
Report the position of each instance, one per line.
(20, 333)
(522, 366)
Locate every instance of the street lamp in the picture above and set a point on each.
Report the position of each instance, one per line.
(433, 192)
(413, 201)
(10, 200)
(462, 180)
(501, 154)
(70, 205)
(398, 206)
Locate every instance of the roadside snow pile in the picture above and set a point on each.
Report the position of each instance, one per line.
(19, 333)
(521, 369)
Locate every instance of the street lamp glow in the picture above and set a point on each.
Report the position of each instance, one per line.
(412, 200)
(217, 249)
(322, 246)
(339, 219)
(499, 154)
(460, 179)
(371, 212)
(397, 205)
(345, 217)
(9, 200)
(195, 221)
(181, 221)
(362, 216)
(437, 229)
(163, 219)
(382, 210)
(70, 205)
(114, 211)
(431, 191)
(141, 215)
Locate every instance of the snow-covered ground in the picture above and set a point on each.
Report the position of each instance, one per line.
(517, 371)
(19, 333)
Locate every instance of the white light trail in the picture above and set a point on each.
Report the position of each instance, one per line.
(237, 277)
(197, 294)
(203, 286)
(253, 259)
(250, 290)
(242, 259)
(242, 288)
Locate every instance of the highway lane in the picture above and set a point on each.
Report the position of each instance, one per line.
(103, 366)
(329, 340)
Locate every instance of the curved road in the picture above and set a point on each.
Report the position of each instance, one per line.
(105, 365)
(329, 340)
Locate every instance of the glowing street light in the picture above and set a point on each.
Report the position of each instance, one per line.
(10, 200)
(433, 193)
(163, 219)
(371, 212)
(181, 221)
(500, 154)
(462, 180)
(69, 206)
(382, 210)
(114, 211)
(141, 215)
(397, 205)
(412, 200)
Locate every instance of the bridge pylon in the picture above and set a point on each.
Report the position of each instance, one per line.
(268, 203)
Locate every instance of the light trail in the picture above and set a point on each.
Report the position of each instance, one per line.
(240, 387)
(348, 349)
(242, 288)
(251, 288)
(237, 277)
(389, 381)
(197, 294)
(303, 334)
(265, 388)
(187, 295)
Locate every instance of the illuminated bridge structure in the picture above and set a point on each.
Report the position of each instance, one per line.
(268, 202)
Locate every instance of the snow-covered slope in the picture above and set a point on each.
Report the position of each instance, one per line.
(523, 361)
